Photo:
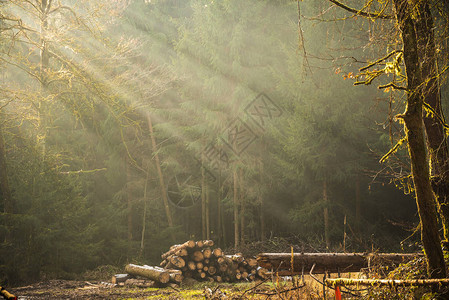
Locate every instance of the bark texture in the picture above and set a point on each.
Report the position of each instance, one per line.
(414, 129)
(161, 177)
(436, 137)
(5, 192)
(153, 273)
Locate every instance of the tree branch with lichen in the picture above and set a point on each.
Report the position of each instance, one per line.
(380, 60)
(362, 13)
(369, 75)
(392, 85)
(393, 150)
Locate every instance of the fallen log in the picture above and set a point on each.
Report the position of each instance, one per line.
(389, 282)
(328, 262)
(182, 252)
(252, 262)
(176, 277)
(154, 273)
(141, 283)
(238, 258)
(163, 263)
(223, 268)
(191, 265)
(175, 248)
(201, 274)
(118, 278)
(198, 256)
(177, 262)
(212, 270)
(204, 243)
(217, 252)
(238, 276)
(207, 253)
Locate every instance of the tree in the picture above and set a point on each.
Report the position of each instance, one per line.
(63, 99)
(7, 200)
(413, 22)
(220, 55)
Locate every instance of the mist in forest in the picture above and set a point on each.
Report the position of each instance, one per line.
(129, 126)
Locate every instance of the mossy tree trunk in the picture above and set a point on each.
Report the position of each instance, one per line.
(358, 209)
(414, 129)
(436, 137)
(326, 215)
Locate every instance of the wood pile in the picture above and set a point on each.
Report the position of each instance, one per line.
(197, 260)
(201, 261)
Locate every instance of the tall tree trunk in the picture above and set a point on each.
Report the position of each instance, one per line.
(44, 60)
(203, 204)
(219, 229)
(161, 177)
(357, 205)
(44, 55)
(207, 213)
(242, 208)
(414, 129)
(129, 203)
(262, 219)
(8, 203)
(261, 204)
(436, 137)
(326, 215)
(144, 218)
(236, 211)
(224, 230)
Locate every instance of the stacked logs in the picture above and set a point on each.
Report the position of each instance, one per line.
(200, 261)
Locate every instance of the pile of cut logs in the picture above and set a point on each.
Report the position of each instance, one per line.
(201, 261)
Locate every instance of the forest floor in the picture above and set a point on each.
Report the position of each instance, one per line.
(66, 289)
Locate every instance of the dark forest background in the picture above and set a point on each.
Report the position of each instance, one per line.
(130, 126)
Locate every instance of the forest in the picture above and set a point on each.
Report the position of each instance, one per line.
(127, 126)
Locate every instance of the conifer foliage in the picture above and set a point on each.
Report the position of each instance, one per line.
(128, 126)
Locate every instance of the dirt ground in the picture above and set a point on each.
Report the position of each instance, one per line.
(65, 289)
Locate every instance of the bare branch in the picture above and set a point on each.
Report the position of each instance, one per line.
(360, 12)
(393, 150)
(392, 85)
(430, 109)
(370, 76)
(380, 60)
